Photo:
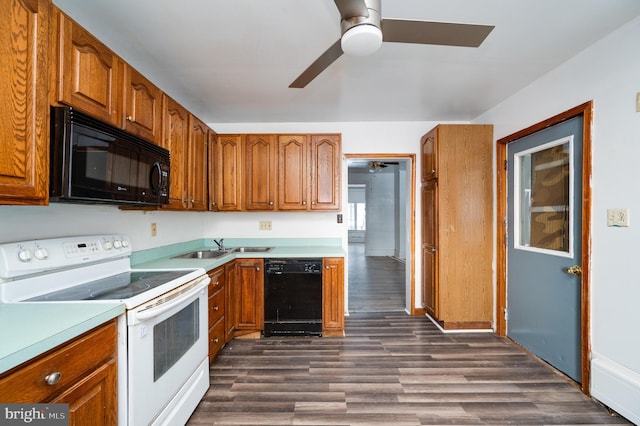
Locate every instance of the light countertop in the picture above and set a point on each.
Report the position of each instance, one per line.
(28, 329)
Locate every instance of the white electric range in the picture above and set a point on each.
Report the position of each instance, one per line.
(163, 367)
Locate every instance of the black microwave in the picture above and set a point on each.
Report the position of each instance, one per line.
(94, 162)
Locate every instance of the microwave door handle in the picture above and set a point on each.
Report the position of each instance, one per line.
(148, 313)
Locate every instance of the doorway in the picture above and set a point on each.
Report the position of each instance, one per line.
(380, 218)
(544, 222)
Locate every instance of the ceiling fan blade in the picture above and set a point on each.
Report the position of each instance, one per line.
(319, 65)
(350, 8)
(441, 33)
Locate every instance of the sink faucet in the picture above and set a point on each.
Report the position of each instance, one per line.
(219, 243)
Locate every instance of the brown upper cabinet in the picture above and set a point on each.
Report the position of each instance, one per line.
(24, 128)
(325, 172)
(293, 172)
(260, 172)
(175, 139)
(92, 78)
(280, 172)
(228, 172)
(88, 75)
(142, 106)
(197, 158)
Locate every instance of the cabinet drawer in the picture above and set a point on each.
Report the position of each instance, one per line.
(72, 361)
(216, 307)
(216, 338)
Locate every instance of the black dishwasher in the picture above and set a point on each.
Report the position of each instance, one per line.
(293, 297)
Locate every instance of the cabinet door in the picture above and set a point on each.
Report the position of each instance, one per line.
(197, 164)
(24, 127)
(429, 247)
(93, 400)
(142, 106)
(251, 293)
(212, 165)
(332, 294)
(260, 172)
(232, 299)
(175, 139)
(89, 74)
(293, 187)
(229, 173)
(429, 156)
(325, 172)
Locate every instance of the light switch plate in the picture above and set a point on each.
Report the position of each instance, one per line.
(618, 217)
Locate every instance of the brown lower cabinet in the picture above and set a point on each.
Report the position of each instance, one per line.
(236, 300)
(87, 367)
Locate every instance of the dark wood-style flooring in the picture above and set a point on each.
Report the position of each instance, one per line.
(389, 369)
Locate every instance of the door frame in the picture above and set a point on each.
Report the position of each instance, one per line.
(586, 110)
(411, 192)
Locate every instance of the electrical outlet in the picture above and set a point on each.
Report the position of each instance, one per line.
(154, 229)
(618, 217)
(265, 225)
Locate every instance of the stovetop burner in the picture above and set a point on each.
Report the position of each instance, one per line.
(117, 287)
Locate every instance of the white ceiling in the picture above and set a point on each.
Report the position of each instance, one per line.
(231, 61)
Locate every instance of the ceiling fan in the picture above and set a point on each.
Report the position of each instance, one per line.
(376, 166)
(363, 31)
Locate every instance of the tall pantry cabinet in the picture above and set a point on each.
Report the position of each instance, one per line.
(457, 225)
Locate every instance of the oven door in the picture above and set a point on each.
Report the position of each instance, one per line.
(167, 349)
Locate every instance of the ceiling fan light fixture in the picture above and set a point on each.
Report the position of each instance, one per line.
(361, 40)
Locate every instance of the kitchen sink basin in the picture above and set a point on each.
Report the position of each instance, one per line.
(252, 249)
(202, 254)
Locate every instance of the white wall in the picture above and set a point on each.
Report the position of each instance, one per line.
(609, 74)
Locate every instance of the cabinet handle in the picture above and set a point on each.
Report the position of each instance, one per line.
(129, 118)
(270, 203)
(216, 340)
(433, 249)
(53, 378)
(215, 308)
(216, 284)
(329, 267)
(304, 203)
(258, 269)
(433, 171)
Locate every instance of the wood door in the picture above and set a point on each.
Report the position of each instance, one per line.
(326, 170)
(212, 154)
(293, 187)
(332, 295)
(229, 173)
(197, 164)
(89, 74)
(231, 301)
(430, 247)
(24, 127)
(260, 172)
(93, 401)
(175, 139)
(250, 284)
(429, 156)
(142, 106)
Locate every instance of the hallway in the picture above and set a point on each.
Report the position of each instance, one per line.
(376, 284)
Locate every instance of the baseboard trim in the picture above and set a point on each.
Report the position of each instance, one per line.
(458, 330)
(617, 387)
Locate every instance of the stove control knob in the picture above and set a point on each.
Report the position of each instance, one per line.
(125, 243)
(24, 255)
(117, 244)
(108, 245)
(40, 253)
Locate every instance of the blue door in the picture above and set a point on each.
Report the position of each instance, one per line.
(544, 229)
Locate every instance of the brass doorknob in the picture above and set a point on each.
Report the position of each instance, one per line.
(574, 270)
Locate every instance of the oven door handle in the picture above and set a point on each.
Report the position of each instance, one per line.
(179, 298)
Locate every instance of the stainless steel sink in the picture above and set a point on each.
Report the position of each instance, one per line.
(252, 249)
(202, 254)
